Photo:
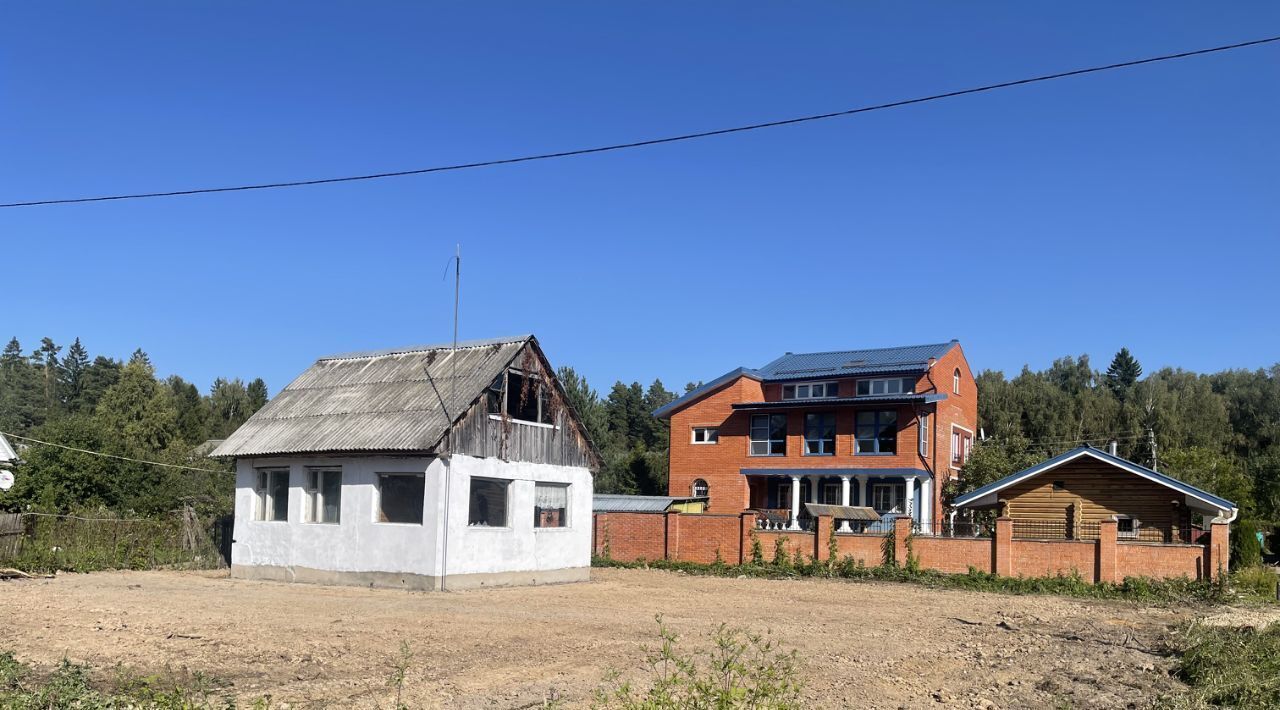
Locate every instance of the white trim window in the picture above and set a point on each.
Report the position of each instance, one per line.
(768, 435)
(400, 498)
(875, 432)
(706, 435)
(551, 505)
(955, 381)
(810, 390)
(887, 497)
(272, 494)
(923, 437)
(961, 446)
(487, 502)
(1126, 527)
(832, 493)
(886, 386)
(324, 495)
(700, 489)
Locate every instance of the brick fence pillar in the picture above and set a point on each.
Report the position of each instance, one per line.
(746, 523)
(821, 534)
(671, 546)
(1107, 552)
(600, 522)
(1217, 556)
(901, 531)
(1002, 544)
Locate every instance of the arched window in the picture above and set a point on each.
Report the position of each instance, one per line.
(955, 381)
(700, 489)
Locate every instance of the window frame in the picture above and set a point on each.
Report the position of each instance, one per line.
(506, 492)
(315, 498)
(711, 435)
(770, 441)
(878, 426)
(565, 521)
(955, 381)
(960, 453)
(902, 382)
(378, 511)
(822, 441)
(839, 489)
(922, 435)
(830, 390)
(1134, 523)
(264, 498)
(893, 495)
(501, 386)
(706, 488)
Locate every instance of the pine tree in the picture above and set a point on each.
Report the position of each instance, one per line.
(71, 372)
(1123, 373)
(46, 358)
(257, 391)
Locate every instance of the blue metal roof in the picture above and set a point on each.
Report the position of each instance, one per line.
(1131, 467)
(837, 363)
(844, 363)
(820, 402)
(914, 472)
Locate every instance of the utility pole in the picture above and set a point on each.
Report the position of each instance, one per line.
(1151, 437)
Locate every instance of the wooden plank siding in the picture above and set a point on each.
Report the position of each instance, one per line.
(1102, 490)
(478, 434)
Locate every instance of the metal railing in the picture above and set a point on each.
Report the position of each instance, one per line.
(948, 528)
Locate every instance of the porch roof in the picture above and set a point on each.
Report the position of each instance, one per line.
(842, 401)
(865, 472)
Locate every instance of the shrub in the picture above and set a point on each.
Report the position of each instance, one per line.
(780, 556)
(1245, 550)
(757, 551)
(742, 669)
(1257, 580)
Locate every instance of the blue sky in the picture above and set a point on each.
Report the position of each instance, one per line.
(1136, 208)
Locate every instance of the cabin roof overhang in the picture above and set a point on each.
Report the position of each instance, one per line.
(988, 496)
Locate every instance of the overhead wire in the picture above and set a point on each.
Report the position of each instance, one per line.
(652, 141)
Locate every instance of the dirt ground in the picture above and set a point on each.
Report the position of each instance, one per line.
(859, 644)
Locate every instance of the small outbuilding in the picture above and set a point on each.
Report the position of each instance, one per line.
(420, 468)
(7, 454)
(1068, 495)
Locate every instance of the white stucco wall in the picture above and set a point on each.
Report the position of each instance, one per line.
(361, 544)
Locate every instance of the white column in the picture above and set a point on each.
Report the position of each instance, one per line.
(795, 502)
(909, 503)
(844, 500)
(862, 492)
(813, 489)
(926, 503)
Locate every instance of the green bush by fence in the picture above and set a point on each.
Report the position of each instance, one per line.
(42, 542)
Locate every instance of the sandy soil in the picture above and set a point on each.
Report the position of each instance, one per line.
(859, 644)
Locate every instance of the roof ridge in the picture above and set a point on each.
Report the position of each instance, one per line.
(404, 350)
(867, 350)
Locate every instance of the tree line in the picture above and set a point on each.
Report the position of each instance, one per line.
(118, 408)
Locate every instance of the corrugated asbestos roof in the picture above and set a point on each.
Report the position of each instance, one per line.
(615, 503)
(379, 400)
(837, 363)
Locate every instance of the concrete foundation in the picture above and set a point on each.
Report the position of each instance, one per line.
(409, 582)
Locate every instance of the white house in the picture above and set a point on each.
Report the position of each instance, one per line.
(418, 468)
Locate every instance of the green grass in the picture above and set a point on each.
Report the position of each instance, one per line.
(1132, 588)
(70, 686)
(74, 544)
(1230, 667)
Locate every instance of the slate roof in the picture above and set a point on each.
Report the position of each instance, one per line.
(836, 363)
(380, 400)
(974, 497)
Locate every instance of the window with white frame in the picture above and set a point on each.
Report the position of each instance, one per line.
(832, 493)
(887, 497)
(769, 435)
(700, 489)
(923, 438)
(1126, 527)
(324, 495)
(820, 434)
(955, 381)
(961, 446)
(706, 435)
(885, 386)
(488, 502)
(273, 494)
(809, 390)
(876, 432)
(550, 505)
(400, 497)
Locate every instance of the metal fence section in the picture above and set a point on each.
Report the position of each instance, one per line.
(949, 528)
(44, 542)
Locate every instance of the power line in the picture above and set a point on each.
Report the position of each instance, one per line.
(111, 456)
(652, 141)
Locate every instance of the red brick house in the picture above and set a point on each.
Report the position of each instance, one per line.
(883, 428)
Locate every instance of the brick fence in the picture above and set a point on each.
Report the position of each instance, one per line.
(704, 538)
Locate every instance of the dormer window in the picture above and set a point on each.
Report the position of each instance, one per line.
(809, 390)
(886, 386)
